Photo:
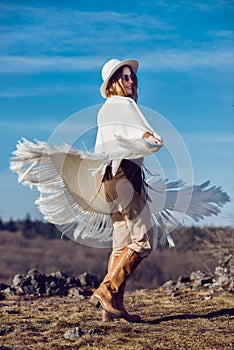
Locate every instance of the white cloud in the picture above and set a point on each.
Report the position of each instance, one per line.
(70, 129)
(56, 39)
(227, 34)
(216, 148)
(180, 60)
(185, 60)
(27, 64)
(218, 138)
(210, 6)
(47, 90)
(53, 29)
(26, 126)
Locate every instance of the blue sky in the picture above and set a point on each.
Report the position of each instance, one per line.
(51, 54)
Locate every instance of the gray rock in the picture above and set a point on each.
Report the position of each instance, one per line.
(89, 280)
(198, 280)
(17, 279)
(223, 280)
(184, 279)
(207, 280)
(3, 286)
(219, 271)
(198, 275)
(169, 284)
(57, 283)
(8, 291)
(179, 286)
(74, 334)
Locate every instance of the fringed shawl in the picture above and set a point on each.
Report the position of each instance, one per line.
(70, 180)
(72, 197)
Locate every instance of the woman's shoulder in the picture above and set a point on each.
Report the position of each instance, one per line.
(116, 104)
(119, 99)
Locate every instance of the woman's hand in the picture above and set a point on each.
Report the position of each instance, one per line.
(152, 138)
(155, 140)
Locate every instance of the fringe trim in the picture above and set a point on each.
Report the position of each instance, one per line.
(202, 201)
(34, 167)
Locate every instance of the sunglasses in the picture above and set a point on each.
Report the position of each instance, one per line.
(126, 77)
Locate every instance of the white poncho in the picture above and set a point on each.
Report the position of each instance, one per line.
(70, 180)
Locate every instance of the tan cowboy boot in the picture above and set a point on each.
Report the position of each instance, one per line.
(106, 294)
(119, 302)
(106, 317)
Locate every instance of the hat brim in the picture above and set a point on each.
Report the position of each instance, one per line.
(132, 63)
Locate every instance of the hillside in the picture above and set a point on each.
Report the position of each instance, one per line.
(196, 249)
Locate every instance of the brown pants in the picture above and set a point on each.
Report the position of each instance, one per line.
(130, 215)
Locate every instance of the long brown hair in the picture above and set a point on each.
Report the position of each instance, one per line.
(115, 85)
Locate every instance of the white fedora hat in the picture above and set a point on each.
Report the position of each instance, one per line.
(110, 67)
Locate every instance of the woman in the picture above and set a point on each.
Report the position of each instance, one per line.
(125, 192)
(99, 197)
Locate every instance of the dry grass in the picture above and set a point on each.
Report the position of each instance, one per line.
(187, 322)
(168, 323)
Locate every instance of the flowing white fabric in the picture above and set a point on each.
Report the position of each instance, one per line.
(70, 180)
(71, 193)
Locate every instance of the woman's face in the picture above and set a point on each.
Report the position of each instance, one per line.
(127, 81)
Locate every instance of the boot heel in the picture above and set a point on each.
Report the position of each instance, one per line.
(94, 301)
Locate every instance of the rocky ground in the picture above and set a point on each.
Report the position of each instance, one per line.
(53, 312)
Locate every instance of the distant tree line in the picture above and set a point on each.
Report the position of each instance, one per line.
(186, 238)
(31, 228)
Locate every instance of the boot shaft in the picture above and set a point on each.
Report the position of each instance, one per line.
(122, 268)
